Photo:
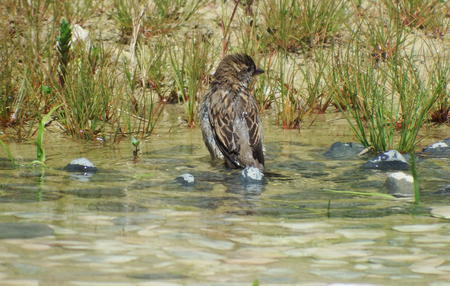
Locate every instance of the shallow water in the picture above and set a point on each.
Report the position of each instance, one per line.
(131, 223)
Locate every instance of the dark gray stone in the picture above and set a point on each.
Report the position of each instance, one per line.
(340, 150)
(439, 149)
(24, 230)
(389, 160)
(400, 184)
(186, 179)
(81, 165)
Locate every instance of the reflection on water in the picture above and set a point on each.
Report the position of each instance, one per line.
(132, 223)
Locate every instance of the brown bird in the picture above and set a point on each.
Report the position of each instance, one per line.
(229, 117)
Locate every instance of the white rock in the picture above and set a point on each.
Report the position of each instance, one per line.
(252, 174)
(400, 184)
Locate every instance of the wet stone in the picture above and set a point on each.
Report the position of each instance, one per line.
(82, 165)
(439, 149)
(186, 179)
(400, 184)
(252, 175)
(24, 230)
(340, 150)
(117, 207)
(389, 160)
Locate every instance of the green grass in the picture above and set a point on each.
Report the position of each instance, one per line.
(297, 25)
(190, 66)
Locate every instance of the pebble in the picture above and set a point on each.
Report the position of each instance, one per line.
(251, 175)
(82, 165)
(400, 184)
(186, 179)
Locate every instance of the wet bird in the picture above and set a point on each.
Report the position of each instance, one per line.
(229, 115)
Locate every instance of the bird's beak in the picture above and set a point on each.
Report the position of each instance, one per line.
(258, 71)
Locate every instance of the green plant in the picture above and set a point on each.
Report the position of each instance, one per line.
(40, 151)
(381, 37)
(287, 100)
(417, 95)
(135, 142)
(159, 16)
(294, 25)
(421, 14)
(316, 73)
(190, 69)
(8, 152)
(90, 92)
(359, 90)
(63, 43)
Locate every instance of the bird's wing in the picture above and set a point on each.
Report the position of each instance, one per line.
(235, 124)
(221, 118)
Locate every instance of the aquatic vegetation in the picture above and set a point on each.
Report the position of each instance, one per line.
(7, 152)
(288, 103)
(40, 151)
(387, 105)
(295, 25)
(191, 65)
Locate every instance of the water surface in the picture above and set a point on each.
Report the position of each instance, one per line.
(131, 223)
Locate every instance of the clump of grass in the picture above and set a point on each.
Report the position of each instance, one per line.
(381, 37)
(387, 106)
(316, 73)
(8, 152)
(288, 103)
(140, 109)
(420, 14)
(418, 93)
(90, 92)
(264, 90)
(190, 68)
(161, 16)
(296, 25)
(359, 90)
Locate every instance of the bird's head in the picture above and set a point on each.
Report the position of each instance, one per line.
(240, 67)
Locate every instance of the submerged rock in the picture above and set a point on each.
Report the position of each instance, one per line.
(340, 150)
(82, 165)
(252, 175)
(438, 149)
(389, 160)
(400, 184)
(186, 179)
